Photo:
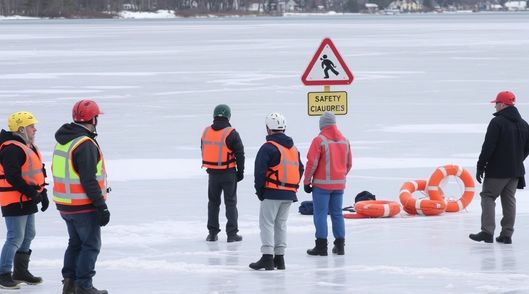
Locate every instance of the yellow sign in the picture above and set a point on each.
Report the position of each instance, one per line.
(319, 102)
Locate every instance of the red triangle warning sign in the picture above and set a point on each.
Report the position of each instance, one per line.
(327, 67)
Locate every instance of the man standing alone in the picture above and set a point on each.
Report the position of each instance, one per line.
(223, 158)
(501, 159)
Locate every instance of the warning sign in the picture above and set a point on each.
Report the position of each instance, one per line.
(327, 67)
(319, 102)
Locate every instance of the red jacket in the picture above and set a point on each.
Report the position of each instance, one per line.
(329, 160)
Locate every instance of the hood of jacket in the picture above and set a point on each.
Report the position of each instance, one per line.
(70, 131)
(511, 113)
(281, 139)
(220, 123)
(332, 133)
(7, 136)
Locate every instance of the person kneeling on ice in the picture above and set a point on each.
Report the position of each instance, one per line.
(278, 170)
(328, 162)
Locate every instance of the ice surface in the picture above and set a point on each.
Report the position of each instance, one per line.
(419, 100)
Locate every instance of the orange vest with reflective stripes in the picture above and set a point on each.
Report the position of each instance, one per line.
(285, 175)
(31, 172)
(215, 152)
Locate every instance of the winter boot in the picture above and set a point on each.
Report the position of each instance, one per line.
(266, 262)
(212, 237)
(504, 239)
(79, 290)
(279, 262)
(6, 282)
(68, 286)
(234, 238)
(21, 273)
(481, 236)
(338, 248)
(320, 249)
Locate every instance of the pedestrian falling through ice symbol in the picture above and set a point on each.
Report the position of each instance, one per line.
(327, 65)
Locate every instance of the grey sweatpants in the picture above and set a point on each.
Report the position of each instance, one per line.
(273, 216)
(506, 189)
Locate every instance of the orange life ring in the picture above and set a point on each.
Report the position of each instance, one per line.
(354, 215)
(435, 192)
(423, 206)
(377, 208)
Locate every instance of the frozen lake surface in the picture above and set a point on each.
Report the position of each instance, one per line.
(419, 100)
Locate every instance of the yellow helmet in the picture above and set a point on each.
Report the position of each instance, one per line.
(20, 119)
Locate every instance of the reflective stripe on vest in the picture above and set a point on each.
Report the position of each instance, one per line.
(325, 143)
(67, 188)
(285, 175)
(31, 173)
(215, 152)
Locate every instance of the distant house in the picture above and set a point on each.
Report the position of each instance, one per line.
(371, 7)
(130, 6)
(287, 6)
(405, 5)
(515, 5)
(279, 6)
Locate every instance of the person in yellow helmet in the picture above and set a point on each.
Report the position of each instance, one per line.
(22, 176)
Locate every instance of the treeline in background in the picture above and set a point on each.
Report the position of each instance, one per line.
(110, 8)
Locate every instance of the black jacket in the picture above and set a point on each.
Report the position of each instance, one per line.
(267, 157)
(506, 145)
(234, 142)
(84, 159)
(12, 158)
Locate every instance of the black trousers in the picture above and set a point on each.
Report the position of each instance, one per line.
(218, 183)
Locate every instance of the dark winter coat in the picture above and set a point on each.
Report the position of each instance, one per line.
(84, 159)
(12, 158)
(506, 146)
(233, 142)
(269, 156)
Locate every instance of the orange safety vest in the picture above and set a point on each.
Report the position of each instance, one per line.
(215, 152)
(285, 175)
(31, 172)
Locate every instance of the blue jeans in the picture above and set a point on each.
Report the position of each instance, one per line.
(83, 247)
(328, 202)
(20, 233)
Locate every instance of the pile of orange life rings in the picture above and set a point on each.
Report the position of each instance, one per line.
(436, 203)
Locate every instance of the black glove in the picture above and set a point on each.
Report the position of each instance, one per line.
(479, 173)
(37, 198)
(307, 188)
(240, 176)
(103, 215)
(259, 194)
(45, 200)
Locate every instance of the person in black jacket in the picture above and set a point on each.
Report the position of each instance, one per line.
(501, 160)
(83, 205)
(22, 176)
(278, 170)
(223, 158)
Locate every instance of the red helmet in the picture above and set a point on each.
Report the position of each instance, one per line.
(85, 110)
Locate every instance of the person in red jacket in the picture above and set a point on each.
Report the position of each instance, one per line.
(328, 163)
